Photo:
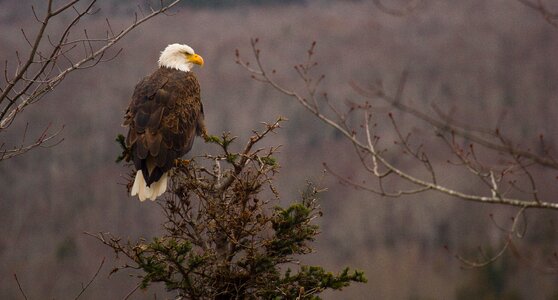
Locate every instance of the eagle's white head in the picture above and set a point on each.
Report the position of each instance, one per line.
(180, 57)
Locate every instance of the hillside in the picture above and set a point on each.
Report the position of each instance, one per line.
(483, 58)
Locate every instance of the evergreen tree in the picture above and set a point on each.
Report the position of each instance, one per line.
(226, 237)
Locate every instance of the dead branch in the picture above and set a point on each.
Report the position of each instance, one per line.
(84, 288)
(513, 233)
(20, 288)
(41, 141)
(362, 140)
(551, 17)
(50, 59)
(491, 139)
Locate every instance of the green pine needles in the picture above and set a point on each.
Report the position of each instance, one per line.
(226, 238)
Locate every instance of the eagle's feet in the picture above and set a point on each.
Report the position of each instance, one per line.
(206, 137)
(181, 163)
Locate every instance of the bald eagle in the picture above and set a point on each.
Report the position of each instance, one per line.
(163, 118)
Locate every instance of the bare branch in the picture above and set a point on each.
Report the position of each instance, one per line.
(83, 289)
(550, 16)
(132, 292)
(20, 288)
(42, 70)
(379, 159)
(512, 233)
(43, 138)
(467, 133)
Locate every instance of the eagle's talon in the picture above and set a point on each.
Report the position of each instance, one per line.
(206, 137)
(181, 163)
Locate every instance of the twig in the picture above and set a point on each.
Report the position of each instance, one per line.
(422, 184)
(509, 243)
(132, 292)
(40, 72)
(550, 17)
(20, 288)
(83, 289)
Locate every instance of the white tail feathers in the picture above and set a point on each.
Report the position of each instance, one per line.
(143, 191)
(159, 187)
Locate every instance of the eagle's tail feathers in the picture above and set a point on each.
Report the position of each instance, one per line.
(140, 187)
(135, 187)
(159, 187)
(143, 191)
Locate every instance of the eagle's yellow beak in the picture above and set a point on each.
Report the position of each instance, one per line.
(195, 59)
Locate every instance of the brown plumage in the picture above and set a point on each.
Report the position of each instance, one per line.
(164, 117)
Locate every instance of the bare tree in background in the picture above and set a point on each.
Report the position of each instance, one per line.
(541, 7)
(50, 57)
(509, 171)
(376, 161)
(410, 6)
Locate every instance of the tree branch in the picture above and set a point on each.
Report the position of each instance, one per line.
(380, 158)
(42, 71)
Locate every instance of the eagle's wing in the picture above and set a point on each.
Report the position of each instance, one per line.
(163, 118)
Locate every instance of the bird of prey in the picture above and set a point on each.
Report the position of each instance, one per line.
(164, 117)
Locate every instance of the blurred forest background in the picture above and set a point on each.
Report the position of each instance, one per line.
(487, 59)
